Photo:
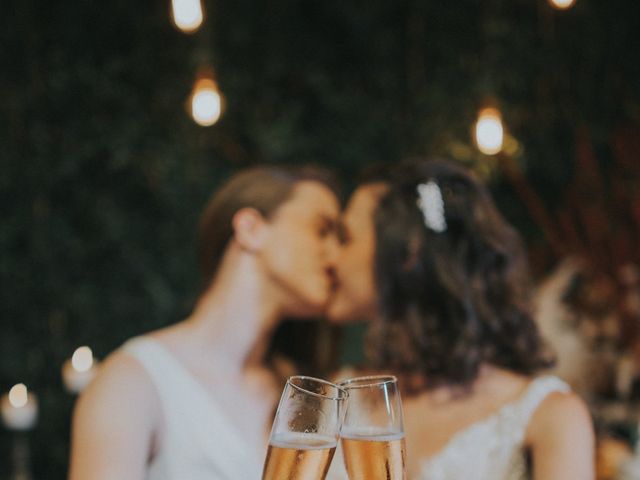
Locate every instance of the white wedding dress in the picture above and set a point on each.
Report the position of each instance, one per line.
(491, 449)
(199, 442)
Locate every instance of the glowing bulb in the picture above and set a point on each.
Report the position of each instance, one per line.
(489, 131)
(82, 359)
(206, 102)
(563, 4)
(187, 14)
(18, 395)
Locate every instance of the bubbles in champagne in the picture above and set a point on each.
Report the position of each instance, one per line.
(375, 457)
(299, 456)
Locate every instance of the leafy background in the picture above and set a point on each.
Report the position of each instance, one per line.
(103, 173)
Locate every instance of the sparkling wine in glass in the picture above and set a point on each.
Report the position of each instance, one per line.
(373, 433)
(305, 431)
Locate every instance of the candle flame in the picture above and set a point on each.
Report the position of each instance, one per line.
(187, 14)
(18, 395)
(82, 359)
(489, 131)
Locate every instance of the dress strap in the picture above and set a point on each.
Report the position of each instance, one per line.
(155, 362)
(535, 394)
(180, 393)
(195, 424)
(176, 388)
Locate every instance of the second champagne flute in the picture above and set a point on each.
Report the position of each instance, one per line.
(305, 431)
(373, 432)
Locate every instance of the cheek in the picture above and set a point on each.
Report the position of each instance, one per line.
(362, 273)
(294, 257)
(358, 260)
(349, 272)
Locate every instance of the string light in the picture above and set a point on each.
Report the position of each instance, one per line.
(562, 4)
(187, 14)
(206, 102)
(489, 131)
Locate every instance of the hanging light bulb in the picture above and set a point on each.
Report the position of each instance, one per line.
(187, 14)
(489, 131)
(562, 4)
(206, 102)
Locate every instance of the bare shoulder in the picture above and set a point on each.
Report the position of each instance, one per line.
(121, 369)
(114, 422)
(561, 439)
(122, 386)
(560, 412)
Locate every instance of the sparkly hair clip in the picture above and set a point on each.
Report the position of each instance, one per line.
(431, 204)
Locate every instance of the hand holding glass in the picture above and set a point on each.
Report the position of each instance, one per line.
(305, 431)
(373, 431)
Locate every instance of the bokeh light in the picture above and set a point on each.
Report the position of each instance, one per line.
(82, 359)
(206, 102)
(489, 131)
(562, 4)
(18, 395)
(187, 14)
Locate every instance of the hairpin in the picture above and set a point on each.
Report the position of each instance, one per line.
(431, 204)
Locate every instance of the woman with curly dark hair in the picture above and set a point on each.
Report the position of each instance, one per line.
(452, 319)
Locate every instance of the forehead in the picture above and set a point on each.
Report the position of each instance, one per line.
(362, 204)
(311, 198)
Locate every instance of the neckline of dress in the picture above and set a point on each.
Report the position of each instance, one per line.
(483, 422)
(185, 373)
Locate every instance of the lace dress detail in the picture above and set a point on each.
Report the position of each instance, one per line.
(492, 449)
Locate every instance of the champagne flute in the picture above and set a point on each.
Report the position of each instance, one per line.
(305, 430)
(372, 432)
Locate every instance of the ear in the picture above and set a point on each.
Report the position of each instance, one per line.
(249, 229)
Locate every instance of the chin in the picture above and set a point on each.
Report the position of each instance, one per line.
(342, 311)
(338, 314)
(310, 306)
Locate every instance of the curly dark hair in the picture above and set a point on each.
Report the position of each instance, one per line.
(451, 299)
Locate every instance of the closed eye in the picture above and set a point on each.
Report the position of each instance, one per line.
(327, 226)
